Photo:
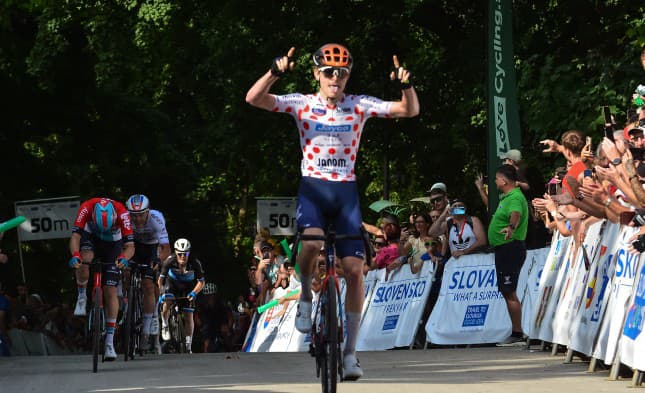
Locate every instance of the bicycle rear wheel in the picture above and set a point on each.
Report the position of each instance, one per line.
(96, 328)
(128, 350)
(329, 361)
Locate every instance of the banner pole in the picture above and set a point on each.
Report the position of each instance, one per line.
(22, 264)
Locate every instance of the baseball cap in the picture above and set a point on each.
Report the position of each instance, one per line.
(438, 186)
(513, 154)
(635, 130)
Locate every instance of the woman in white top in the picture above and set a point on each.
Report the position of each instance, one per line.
(466, 234)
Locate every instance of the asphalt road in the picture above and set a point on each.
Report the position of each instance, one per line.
(488, 369)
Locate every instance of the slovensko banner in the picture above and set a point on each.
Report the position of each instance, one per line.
(503, 112)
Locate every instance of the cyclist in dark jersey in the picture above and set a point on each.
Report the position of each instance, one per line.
(185, 278)
(330, 124)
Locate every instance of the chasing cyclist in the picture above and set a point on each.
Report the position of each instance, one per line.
(330, 124)
(151, 245)
(101, 229)
(185, 278)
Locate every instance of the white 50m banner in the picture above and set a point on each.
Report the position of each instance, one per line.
(470, 309)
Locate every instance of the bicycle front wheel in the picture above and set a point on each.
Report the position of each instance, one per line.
(128, 350)
(329, 374)
(96, 328)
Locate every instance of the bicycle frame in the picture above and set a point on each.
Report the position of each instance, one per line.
(328, 326)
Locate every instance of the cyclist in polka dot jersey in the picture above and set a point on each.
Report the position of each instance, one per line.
(330, 124)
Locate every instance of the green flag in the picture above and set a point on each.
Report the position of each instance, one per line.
(503, 112)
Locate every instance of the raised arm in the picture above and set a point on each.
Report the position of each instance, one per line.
(409, 104)
(258, 95)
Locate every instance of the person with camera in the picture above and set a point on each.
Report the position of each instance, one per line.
(268, 269)
(506, 233)
(330, 124)
(466, 234)
(181, 276)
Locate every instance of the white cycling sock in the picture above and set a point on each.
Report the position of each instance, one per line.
(305, 289)
(353, 325)
(147, 322)
(164, 322)
(82, 288)
(110, 324)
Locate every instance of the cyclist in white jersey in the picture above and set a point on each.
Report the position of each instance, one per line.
(330, 124)
(151, 246)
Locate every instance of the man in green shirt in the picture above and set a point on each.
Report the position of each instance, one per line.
(507, 232)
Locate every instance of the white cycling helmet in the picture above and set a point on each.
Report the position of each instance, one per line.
(137, 203)
(182, 245)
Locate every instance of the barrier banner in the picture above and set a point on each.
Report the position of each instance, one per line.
(395, 309)
(591, 310)
(621, 289)
(369, 283)
(470, 309)
(269, 323)
(528, 285)
(549, 288)
(574, 285)
(632, 342)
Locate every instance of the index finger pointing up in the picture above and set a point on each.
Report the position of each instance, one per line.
(396, 61)
(291, 51)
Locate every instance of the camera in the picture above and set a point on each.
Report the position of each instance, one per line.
(639, 217)
(639, 244)
(265, 255)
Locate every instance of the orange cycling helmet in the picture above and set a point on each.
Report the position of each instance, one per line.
(334, 55)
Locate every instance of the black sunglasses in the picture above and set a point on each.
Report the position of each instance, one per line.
(435, 200)
(380, 244)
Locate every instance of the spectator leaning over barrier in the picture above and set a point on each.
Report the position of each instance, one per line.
(506, 232)
(465, 233)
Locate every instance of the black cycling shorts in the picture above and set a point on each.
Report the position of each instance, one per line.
(145, 255)
(108, 252)
(319, 200)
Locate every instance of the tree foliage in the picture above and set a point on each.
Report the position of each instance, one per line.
(124, 96)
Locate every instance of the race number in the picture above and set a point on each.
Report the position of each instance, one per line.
(277, 214)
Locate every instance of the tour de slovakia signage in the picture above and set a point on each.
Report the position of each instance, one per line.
(503, 112)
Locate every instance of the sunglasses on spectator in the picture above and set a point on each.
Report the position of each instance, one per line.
(339, 72)
(430, 243)
(437, 199)
(379, 244)
(182, 254)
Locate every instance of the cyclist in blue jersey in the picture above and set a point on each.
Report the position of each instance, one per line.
(330, 124)
(181, 276)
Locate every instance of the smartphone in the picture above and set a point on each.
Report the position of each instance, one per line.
(589, 142)
(553, 189)
(609, 129)
(265, 255)
(588, 173)
(637, 153)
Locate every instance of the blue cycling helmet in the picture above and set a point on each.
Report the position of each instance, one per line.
(104, 215)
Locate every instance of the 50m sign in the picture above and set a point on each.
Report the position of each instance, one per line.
(277, 214)
(47, 218)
